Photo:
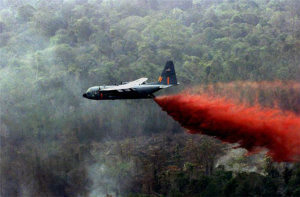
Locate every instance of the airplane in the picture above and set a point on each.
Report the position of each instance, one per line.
(137, 89)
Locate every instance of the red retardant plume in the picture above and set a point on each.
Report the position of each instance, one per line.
(254, 128)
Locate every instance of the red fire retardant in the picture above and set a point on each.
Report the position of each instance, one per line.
(254, 128)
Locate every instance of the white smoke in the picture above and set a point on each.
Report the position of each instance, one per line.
(102, 182)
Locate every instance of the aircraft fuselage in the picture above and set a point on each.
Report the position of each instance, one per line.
(143, 91)
(137, 89)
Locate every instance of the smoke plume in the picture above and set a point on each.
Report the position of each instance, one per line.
(254, 128)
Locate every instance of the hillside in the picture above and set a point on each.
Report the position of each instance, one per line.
(56, 143)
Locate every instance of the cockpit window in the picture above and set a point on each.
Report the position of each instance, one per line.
(93, 89)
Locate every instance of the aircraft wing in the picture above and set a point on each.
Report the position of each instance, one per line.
(137, 82)
(126, 87)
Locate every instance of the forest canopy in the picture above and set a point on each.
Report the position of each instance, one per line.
(54, 143)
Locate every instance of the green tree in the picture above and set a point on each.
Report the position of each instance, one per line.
(83, 29)
(26, 12)
(278, 20)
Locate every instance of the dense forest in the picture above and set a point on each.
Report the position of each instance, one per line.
(54, 142)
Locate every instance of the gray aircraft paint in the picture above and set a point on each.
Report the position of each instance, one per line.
(137, 89)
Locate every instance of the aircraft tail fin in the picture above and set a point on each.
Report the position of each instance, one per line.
(168, 76)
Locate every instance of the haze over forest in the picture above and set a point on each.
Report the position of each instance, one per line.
(56, 143)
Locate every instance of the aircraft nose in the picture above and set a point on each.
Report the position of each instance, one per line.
(84, 95)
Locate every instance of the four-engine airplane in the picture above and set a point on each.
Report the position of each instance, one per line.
(137, 89)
